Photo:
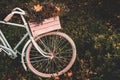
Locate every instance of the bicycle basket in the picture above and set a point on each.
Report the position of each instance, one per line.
(47, 25)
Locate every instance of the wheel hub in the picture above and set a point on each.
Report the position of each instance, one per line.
(51, 55)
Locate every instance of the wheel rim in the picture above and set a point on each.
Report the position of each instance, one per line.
(61, 60)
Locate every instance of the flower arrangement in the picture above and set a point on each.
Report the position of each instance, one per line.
(38, 12)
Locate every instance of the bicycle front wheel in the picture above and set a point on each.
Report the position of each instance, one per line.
(62, 50)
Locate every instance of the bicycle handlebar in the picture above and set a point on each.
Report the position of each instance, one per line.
(19, 9)
(8, 17)
(14, 11)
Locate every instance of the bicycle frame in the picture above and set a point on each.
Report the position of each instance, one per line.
(7, 47)
(13, 51)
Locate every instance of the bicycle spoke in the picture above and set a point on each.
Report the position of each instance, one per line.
(57, 67)
(62, 60)
(36, 57)
(64, 52)
(61, 45)
(46, 67)
(39, 60)
(43, 64)
(43, 43)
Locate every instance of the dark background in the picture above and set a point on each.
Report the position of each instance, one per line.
(94, 25)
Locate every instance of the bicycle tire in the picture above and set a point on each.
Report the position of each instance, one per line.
(63, 49)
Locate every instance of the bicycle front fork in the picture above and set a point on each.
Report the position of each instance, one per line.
(45, 54)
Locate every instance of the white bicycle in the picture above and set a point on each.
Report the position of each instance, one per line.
(47, 53)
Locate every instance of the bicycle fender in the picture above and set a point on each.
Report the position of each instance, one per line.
(23, 54)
